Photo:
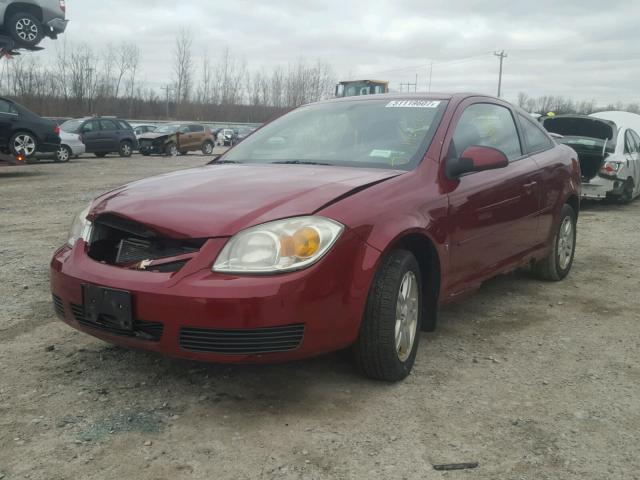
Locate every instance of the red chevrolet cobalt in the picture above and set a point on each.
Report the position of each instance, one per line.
(343, 223)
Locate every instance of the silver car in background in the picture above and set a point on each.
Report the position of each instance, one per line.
(27, 22)
(71, 146)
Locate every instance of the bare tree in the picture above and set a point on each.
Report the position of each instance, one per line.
(183, 66)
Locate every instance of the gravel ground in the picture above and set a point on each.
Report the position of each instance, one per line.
(532, 380)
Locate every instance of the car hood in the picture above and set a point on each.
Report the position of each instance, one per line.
(220, 200)
(154, 135)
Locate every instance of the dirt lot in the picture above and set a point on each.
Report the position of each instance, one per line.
(532, 380)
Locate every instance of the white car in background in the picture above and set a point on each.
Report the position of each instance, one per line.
(608, 148)
(71, 146)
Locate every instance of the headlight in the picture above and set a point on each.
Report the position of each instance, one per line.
(80, 228)
(279, 246)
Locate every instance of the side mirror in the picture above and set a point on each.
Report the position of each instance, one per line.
(476, 159)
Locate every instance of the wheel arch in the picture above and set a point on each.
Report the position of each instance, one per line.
(30, 8)
(574, 202)
(424, 249)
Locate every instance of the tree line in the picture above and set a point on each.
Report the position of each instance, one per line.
(562, 105)
(83, 81)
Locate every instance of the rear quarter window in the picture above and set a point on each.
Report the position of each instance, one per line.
(537, 140)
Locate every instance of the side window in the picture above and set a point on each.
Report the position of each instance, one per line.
(123, 125)
(636, 138)
(630, 145)
(487, 125)
(537, 140)
(5, 107)
(108, 125)
(196, 128)
(183, 129)
(90, 127)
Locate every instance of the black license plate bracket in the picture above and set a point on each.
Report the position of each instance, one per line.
(108, 307)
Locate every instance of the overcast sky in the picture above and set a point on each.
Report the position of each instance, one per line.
(585, 49)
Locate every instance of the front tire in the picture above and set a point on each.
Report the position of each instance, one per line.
(388, 343)
(23, 143)
(63, 154)
(26, 29)
(171, 149)
(126, 149)
(557, 265)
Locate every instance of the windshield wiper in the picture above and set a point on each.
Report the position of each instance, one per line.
(300, 162)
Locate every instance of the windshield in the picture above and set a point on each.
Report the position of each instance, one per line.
(386, 133)
(71, 126)
(166, 129)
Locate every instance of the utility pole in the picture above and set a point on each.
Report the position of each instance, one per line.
(430, 75)
(502, 56)
(90, 90)
(167, 89)
(409, 85)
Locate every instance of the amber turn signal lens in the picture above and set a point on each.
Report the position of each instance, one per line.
(306, 242)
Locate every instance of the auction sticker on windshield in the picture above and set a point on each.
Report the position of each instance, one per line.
(413, 104)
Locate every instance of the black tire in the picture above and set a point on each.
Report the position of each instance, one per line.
(126, 149)
(207, 148)
(627, 192)
(100, 154)
(25, 29)
(171, 149)
(375, 350)
(551, 268)
(63, 154)
(28, 141)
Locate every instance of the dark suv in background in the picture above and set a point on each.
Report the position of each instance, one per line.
(104, 135)
(22, 132)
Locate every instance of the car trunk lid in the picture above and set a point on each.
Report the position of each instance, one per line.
(593, 139)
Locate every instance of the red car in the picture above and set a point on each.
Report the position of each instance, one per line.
(343, 223)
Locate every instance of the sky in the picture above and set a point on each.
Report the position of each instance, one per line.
(584, 49)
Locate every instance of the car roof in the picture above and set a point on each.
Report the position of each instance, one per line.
(405, 96)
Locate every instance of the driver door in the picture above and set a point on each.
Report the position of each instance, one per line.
(493, 214)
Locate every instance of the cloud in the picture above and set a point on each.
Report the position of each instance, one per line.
(582, 48)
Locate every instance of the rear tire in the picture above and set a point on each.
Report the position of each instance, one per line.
(63, 154)
(557, 264)
(390, 332)
(25, 29)
(627, 191)
(207, 148)
(23, 143)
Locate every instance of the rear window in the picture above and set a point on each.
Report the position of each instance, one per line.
(71, 126)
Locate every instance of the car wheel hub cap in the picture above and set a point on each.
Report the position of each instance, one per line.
(126, 149)
(406, 316)
(63, 154)
(24, 144)
(26, 29)
(565, 243)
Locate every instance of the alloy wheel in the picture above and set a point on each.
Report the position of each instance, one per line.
(26, 30)
(406, 315)
(566, 242)
(63, 154)
(24, 144)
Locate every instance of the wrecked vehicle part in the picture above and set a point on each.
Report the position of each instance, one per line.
(592, 139)
(127, 244)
